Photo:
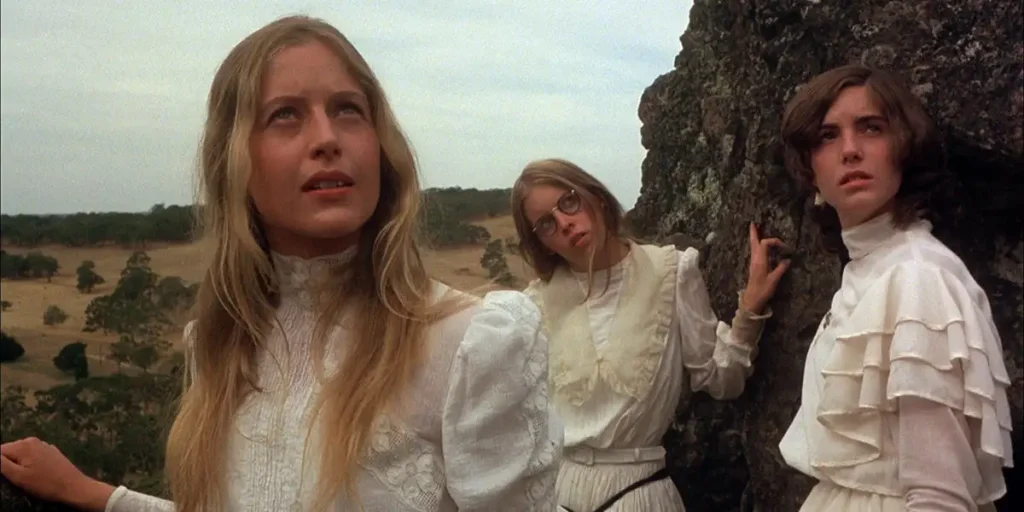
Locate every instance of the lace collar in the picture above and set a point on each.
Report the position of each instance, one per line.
(298, 278)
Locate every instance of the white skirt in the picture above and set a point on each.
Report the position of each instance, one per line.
(828, 497)
(583, 488)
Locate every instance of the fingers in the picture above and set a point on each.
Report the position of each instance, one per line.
(9, 469)
(776, 275)
(754, 236)
(18, 450)
(773, 242)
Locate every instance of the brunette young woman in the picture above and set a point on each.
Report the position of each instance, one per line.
(904, 395)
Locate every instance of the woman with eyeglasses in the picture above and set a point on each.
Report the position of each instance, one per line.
(631, 334)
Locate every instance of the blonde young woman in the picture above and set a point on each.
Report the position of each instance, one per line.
(631, 333)
(329, 372)
(904, 395)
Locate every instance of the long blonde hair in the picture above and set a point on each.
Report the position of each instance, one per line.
(387, 285)
(595, 196)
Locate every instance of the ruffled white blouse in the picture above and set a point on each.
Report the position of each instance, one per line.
(904, 389)
(478, 435)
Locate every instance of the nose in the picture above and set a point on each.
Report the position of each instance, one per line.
(323, 135)
(564, 221)
(851, 147)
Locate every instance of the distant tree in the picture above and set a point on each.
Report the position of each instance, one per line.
(512, 245)
(10, 349)
(173, 294)
(5, 305)
(134, 311)
(140, 352)
(493, 260)
(12, 266)
(41, 265)
(87, 277)
(133, 307)
(71, 360)
(54, 316)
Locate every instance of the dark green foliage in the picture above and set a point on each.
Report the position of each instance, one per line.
(135, 311)
(173, 293)
(161, 223)
(29, 266)
(10, 349)
(71, 360)
(54, 316)
(5, 305)
(496, 265)
(112, 427)
(132, 308)
(87, 277)
(447, 213)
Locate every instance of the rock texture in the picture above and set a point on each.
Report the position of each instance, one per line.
(13, 499)
(714, 164)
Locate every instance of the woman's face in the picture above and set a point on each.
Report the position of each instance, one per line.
(854, 167)
(315, 151)
(562, 222)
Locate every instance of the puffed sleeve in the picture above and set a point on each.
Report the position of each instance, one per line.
(718, 357)
(501, 441)
(921, 335)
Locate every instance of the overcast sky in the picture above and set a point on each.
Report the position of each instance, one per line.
(103, 100)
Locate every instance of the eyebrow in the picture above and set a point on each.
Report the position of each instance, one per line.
(346, 94)
(859, 120)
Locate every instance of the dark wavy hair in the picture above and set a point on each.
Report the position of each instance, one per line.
(918, 148)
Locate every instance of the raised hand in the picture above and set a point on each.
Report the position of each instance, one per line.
(43, 471)
(762, 281)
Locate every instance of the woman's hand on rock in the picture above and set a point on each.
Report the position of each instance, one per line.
(42, 470)
(762, 280)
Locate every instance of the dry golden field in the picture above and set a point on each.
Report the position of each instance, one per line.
(458, 267)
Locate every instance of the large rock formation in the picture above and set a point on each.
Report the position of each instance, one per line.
(714, 164)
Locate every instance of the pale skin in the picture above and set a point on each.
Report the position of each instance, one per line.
(854, 168)
(314, 118)
(580, 234)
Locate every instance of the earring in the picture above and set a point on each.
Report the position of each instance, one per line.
(818, 199)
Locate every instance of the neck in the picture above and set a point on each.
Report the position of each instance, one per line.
(309, 248)
(862, 239)
(614, 251)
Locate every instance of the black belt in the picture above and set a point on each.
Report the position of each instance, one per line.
(658, 475)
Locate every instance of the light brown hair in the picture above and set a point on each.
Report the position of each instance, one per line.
(568, 176)
(386, 285)
(917, 146)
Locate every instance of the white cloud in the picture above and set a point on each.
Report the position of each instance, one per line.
(109, 96)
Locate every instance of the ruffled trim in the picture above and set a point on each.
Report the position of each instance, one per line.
(627, 363)
(918, 331)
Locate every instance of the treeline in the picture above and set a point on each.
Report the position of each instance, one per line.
(160, 224)
(33, 265)
(446, 215)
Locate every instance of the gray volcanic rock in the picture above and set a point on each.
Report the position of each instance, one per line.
(714, 164)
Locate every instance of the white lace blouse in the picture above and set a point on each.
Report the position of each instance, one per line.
(478, 435)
